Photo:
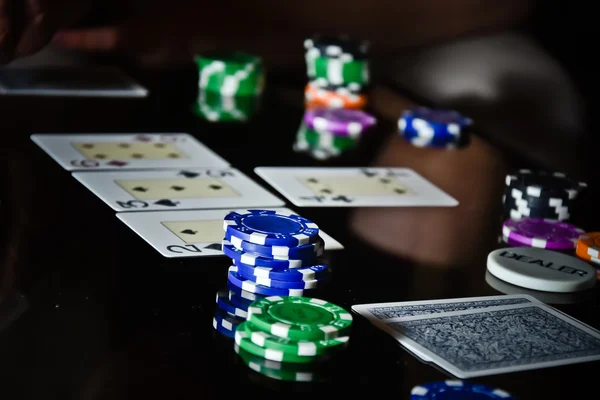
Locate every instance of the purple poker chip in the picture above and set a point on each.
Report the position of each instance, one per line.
(339, 121)
(542, 233)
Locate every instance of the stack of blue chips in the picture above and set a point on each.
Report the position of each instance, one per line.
(273, 255)
(424, 127)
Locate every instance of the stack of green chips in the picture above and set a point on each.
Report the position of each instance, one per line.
(322, 145)
(338, 61)
(291, 333)
(229, 86)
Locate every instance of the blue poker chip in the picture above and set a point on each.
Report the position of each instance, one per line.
(225, 305)
(303, 252)
(252, 287)
(424, 127)
(291, 274)
(243, 257)
(277, 284)
(267, 227)
(457, 390)
(225, 323)
(239, 302)
(242, 294)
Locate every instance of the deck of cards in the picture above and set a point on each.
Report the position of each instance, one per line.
(479, 336)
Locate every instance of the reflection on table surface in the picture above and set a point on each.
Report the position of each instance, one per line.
(109, 317)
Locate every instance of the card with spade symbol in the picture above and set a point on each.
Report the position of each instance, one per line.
(191, 233)
(177, 189)
(354, 187)
(128, 151)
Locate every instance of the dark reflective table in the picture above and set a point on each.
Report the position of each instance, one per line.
(90, 311)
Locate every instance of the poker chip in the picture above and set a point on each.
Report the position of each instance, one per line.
(451, 389)
(304, 252)
(539, 269)
(225, 305)
(230, 74)
(347, 89)
(278, 370)
(304, 348)
(241, 294)
(543, 184)
(425, 127)
(240, 302)
(517, 205)
(299, 318)
(235, 279)
(334, 46)
(323, 145)
(316, 97)
(291, 274)
(588, 247)
(242, 339)
(339, 122)
(241, 257)
(226, 324)
(267, 227)
(214, 107)
(542, 233)
(279, 284)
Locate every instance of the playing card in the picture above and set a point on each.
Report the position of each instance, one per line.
(190, 233)
(379, 313)
(177, 189)
(69, 81)
(128, 151)
(495, 340)
(354, 187)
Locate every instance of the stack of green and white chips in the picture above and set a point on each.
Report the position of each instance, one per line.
(285, 337)
(229, 86)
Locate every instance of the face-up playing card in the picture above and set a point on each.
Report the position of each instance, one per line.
(128, 151)
(380, 313)
(190, 233)
(69, 81)
(354, 187)
(495, 340)
(177, 189)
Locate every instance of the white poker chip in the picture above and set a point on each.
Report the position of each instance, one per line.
(541, 269)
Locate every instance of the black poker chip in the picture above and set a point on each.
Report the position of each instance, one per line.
(335, 46)
(544, 184)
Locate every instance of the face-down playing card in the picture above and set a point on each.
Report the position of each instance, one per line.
(193, 233)
(127, 151)
(177, 189)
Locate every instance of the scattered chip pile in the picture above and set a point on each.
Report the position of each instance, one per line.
(288, 337)
(540, 194)
(443, 129)
(338, 72)
(273, 255)
(229, 86)
(327, 133)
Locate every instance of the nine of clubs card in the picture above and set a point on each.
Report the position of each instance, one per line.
(354, 187)
(128, 151)
(190, 233)
(177, 189)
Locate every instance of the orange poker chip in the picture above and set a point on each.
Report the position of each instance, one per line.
(317, 97)
(588, 247)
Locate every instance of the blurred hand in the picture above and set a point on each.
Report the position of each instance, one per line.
(27, 26)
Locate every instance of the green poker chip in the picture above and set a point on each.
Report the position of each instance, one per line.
(299, 318)
(230, 74)
(296, 347)
(277, 370)
(242, 339)
(215, 107)
(341, 70)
